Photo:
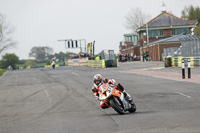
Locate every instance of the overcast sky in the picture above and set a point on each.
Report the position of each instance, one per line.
(43, 22)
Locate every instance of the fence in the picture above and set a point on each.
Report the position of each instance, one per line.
(190, 46)
(172, 52)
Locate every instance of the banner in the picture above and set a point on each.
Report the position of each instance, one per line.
(88, 46)
(93, 47)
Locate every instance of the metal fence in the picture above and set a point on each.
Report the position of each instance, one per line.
(171, 52)
(190, 46)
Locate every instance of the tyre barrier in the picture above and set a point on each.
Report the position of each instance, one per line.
(177, 61)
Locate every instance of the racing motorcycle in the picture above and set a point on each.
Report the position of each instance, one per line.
(53, 64)
(115, 99)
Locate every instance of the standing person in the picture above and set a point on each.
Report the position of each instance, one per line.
(143, 56)
(135, 57)
(120, 57)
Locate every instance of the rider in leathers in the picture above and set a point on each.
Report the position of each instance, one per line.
(98, 80)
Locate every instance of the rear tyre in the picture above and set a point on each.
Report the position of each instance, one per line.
(53, 66)
(117, 105)
(133, 108)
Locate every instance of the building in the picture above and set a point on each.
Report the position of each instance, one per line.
(163, 26)
(130, 45)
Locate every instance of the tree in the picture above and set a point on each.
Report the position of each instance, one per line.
(6, 30)
(40, 53)
(197, 30)
(191, 13)
(185, 12)
(135, 19)
(9, 59)
(60, 56)
(30, 63)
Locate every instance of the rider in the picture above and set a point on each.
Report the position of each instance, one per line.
(98, 80)
(53, 61)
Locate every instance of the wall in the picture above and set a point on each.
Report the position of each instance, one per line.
(155, 52)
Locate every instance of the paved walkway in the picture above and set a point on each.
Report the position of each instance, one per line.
(171, 73)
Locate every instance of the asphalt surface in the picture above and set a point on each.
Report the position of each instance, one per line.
(61, 101)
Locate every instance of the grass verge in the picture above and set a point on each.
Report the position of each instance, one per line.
(2, 71)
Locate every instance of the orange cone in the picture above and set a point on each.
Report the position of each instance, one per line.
(157, 63)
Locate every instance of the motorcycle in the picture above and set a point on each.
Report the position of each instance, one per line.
(53, 64)
(115, 99)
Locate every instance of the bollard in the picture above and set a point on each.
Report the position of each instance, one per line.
(183, 69)
(189, 71)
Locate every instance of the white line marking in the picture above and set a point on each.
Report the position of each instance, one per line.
(184, 95)
(152, 68)
(48, 96)
(158, 68)
(75, 74)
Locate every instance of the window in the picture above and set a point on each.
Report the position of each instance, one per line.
(173, 31)
(128, 39)
(180, 31)
(153, 33)
(161, 33)
(183, 30)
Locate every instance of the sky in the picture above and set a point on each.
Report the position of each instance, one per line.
(44, 22)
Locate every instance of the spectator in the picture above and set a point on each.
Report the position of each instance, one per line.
(135, 57)
(97, 57)
(10, 67)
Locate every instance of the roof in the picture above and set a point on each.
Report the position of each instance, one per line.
(131, 34)
(167, 20)
(177, 38)
(189, 38)
(170, 39)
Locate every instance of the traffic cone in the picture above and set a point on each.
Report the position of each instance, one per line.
(157, 63)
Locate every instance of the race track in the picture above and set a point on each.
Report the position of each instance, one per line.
(61, 101)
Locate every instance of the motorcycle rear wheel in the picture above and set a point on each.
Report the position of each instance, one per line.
(115, 104)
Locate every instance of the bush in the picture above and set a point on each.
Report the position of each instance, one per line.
(30, 63)
(48, 62)
(9, 60)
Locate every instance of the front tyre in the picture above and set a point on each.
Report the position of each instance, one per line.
(115, 103)
(133, 108)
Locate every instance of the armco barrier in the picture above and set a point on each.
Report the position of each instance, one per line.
(177, 61)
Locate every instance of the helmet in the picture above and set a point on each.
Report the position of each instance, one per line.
(97, 79)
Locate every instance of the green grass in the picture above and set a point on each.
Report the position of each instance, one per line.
(40, 64)
(2, 71)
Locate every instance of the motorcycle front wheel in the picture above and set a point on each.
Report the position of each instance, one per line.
(133, 108)
(117, 105)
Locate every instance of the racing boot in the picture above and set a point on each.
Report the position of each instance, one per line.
(127, 96)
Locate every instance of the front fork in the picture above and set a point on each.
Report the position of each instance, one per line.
(125, 103)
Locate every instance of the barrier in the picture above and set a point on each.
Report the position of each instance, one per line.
(47, 66)
(177, 61)
(77, 62)
(92, 63)
(96, 63)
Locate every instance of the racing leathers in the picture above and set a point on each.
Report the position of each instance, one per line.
(95, 90)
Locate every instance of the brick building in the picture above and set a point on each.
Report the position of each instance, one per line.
(130, 45)
(163, 26)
